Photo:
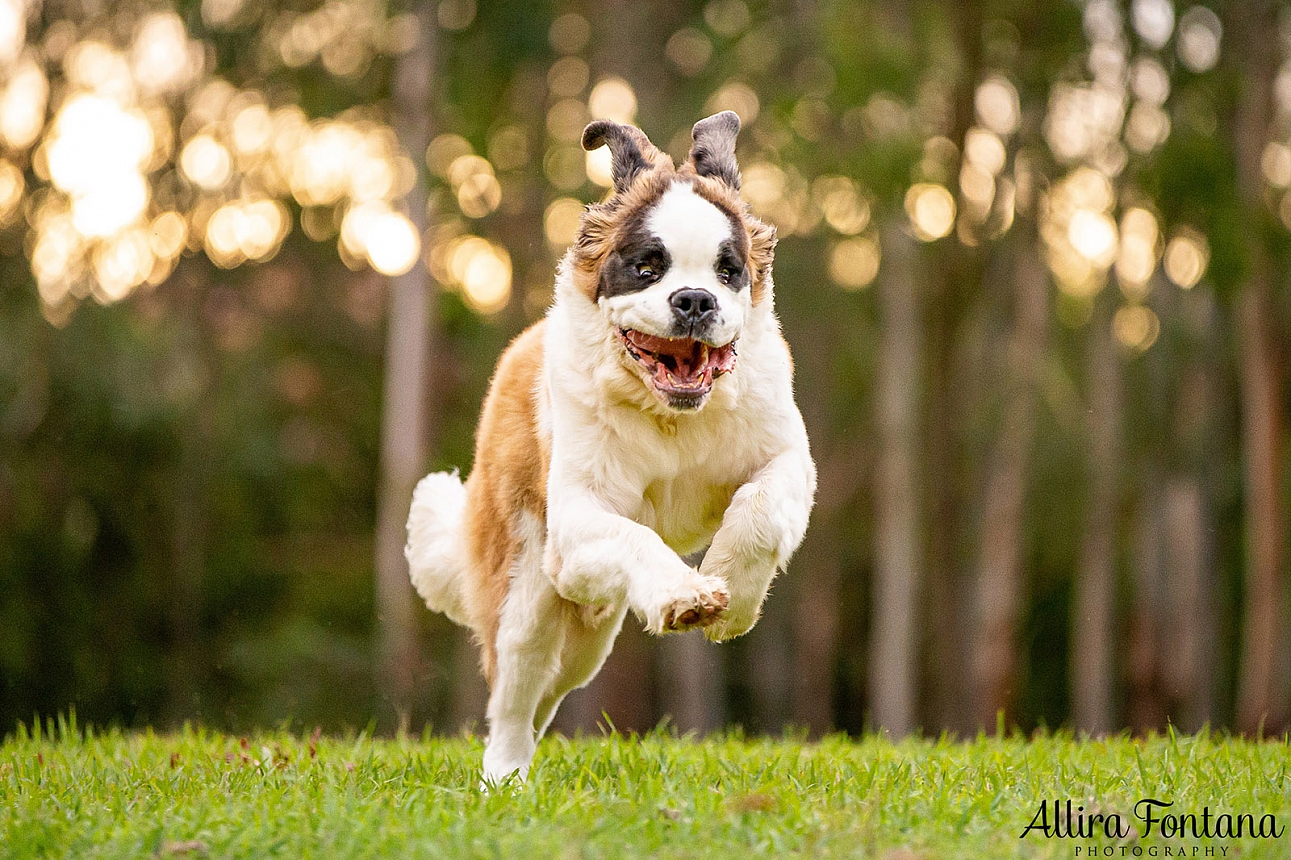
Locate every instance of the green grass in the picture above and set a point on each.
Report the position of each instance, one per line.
(197, 794)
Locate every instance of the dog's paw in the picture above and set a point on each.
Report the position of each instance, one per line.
(697, 602)
(732, 623)
(501, 770)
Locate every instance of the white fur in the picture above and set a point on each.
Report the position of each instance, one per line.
(634, 486)
(435, 552)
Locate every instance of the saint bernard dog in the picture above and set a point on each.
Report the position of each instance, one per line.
(648, 417)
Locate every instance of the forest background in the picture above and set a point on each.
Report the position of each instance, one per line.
(257, 262)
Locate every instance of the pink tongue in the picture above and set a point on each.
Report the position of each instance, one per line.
(688, 354)
(693, 359)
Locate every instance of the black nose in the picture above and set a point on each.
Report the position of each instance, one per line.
(692, 307)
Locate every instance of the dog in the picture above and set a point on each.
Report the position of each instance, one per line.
(649, 416)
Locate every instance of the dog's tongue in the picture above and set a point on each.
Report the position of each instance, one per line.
(694, 362)
(688, 356)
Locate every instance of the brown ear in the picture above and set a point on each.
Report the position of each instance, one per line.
(714, 151)
(631, 152)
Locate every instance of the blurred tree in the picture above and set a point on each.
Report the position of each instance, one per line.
(898, 527)
(408, 414)
(1262, 697)
(1093, 616)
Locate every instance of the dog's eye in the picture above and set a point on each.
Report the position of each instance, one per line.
(727, 273)
(645, 270)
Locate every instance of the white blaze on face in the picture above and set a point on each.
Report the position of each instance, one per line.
(692, 231)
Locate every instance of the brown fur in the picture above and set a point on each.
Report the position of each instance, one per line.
(509, 476)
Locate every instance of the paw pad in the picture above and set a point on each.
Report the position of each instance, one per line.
(701, 610)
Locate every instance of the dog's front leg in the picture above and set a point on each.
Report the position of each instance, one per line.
(600, 559)
(761, 528)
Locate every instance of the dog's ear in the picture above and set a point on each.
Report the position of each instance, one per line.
(713, 153)
(631, 152)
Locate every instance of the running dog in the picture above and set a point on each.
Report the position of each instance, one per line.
(648, 417)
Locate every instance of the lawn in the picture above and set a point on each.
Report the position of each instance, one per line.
(70, 793)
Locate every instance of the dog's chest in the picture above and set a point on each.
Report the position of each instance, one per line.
(685, 512)
(686, 494)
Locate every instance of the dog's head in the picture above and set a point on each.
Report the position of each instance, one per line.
(673, 259)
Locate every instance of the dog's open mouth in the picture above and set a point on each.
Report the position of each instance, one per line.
(682, 369)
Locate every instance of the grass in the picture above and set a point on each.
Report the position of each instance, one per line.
(199, 794)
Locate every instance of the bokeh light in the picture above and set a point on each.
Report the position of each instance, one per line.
(22, 105)
(688, 50)
(12, 186)
(1275, 162)
(392, 243)
(931, 209)
(1136, 327)
(560, 221)
(1139, 250)
(162, 58)
(481, 269)
(737, 96)
(1186, 257)
(854, 262)
(1080, 237)
(613, 98)
(599, 164)
(568, 77)
(842, 205)
(1200, 34)
(1093, 235)
(997, 106)
(13, 30)
(206, 162)
(95, 154)
(149, 157)
(1153, 21)
(727, 18)
(569, 33)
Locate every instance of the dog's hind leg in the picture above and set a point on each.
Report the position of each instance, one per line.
(531, 632)
(589, 636)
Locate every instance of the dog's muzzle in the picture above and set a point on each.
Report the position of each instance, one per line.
(681, 370)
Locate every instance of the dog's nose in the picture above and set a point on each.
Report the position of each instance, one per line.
(692, 307)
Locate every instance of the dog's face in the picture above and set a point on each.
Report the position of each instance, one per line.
(675, 261)
(675, 290)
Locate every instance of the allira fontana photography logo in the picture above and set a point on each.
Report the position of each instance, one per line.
(1162, 831)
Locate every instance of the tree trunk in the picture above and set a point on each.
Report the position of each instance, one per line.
(405, 407)
(1171, 655)
(952, 301)
(691, 682)
(1093, 610)
(898, 551)
(1000, 561)
(1189, 668)
(817, 567)
(1191, 516)
(185, 666)
(1262, 691)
